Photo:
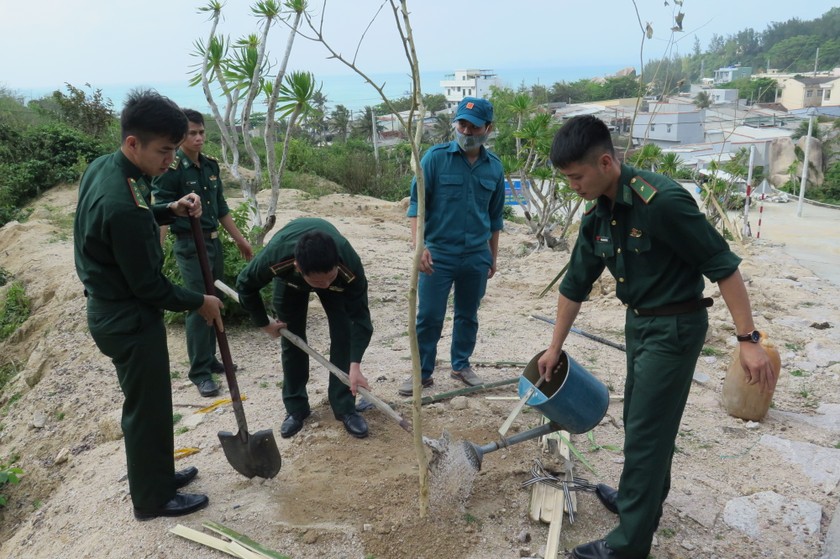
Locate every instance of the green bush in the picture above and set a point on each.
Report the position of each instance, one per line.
(37, 160)
(15, 310)
(234, 263)
(8, 475)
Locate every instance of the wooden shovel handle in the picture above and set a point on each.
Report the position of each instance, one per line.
(221, 337)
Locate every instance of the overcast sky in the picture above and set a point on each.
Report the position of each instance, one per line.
(44, 43)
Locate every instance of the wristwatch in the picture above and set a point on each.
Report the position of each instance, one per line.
(754, 337)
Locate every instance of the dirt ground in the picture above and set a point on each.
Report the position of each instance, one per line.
(339, 497)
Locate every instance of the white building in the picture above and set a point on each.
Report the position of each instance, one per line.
(467, 83)
(669, 124)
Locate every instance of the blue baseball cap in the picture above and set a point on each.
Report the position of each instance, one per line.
(478, 111)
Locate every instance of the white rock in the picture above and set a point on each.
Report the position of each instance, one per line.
(62, 456)
(460, 403)
(39, 420)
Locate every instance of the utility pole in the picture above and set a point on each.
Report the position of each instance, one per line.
(747, 199)
(816, 61)
(373, 135)
(805, 164)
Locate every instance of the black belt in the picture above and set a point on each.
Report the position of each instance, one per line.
(676, 308)
(206, 234)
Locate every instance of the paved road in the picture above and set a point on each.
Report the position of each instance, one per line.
(813, 239)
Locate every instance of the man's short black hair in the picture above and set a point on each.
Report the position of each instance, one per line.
(580, 140)
(194, 116)
(148, 115)
(316, 252)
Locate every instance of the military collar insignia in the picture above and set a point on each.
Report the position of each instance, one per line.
(138, 192)
(643, 189)
(346, 273)
(282, 267)
(635, 233)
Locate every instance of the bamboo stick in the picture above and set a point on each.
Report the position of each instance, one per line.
(202, 538)
(243, 540)
(467, 390)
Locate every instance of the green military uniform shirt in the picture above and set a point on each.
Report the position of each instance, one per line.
(654, 240)
(116, 238)
(276, 262)
(184, 177)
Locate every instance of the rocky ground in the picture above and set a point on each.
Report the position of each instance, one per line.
(740, 490)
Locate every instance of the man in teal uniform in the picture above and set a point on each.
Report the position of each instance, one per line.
(309, 254)
(647, 230)
(465, 197)
(119, 261)
(192, 171)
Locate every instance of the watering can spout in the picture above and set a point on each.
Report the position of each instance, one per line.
(475, 453)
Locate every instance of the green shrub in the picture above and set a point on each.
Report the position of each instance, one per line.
(15, 310)
(8, 475)
(234, 263)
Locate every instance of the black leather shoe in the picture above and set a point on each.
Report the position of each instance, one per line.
(219, 368)
(355, 424)
(179, 505)
(293, 423)
(597, 550)
(608, 496)
(184, 477)
(208, 388)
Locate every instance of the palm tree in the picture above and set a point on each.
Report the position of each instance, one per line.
(362, 128)
(442, 128)
(649, 157)
(522, 105)
(670, 164)
(703, 100)
(339, 123)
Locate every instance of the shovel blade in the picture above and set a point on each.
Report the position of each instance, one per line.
(252, 455)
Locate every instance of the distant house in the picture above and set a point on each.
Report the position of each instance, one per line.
(669, 124)
(467, 83)
(800, 92)
(732, 73)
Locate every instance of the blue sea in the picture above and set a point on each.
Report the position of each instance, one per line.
(351, 90)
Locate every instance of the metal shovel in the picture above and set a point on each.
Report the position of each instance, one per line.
(250, 455)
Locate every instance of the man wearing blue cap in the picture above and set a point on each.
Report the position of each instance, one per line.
(465, 196)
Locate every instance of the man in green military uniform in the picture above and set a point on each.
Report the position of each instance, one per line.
(309, 254)
(647, 230)
(119, 261)
(192, 171)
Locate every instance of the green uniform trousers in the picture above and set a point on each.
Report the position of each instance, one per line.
(134, 337)
(662, 354)
(291, 305)
(201, 338)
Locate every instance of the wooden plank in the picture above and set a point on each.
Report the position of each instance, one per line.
(537, 496)
(552, 547)
(565, 452)
(202, 538)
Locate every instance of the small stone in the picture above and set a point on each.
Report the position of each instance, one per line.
(39, 420)
(525, 552)
(310, 537)
(688, 546)
(752, 425)
(316, 424)
(193, 420)
(460, 403)
(62, 456)
(367, 527)
(524, 536)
